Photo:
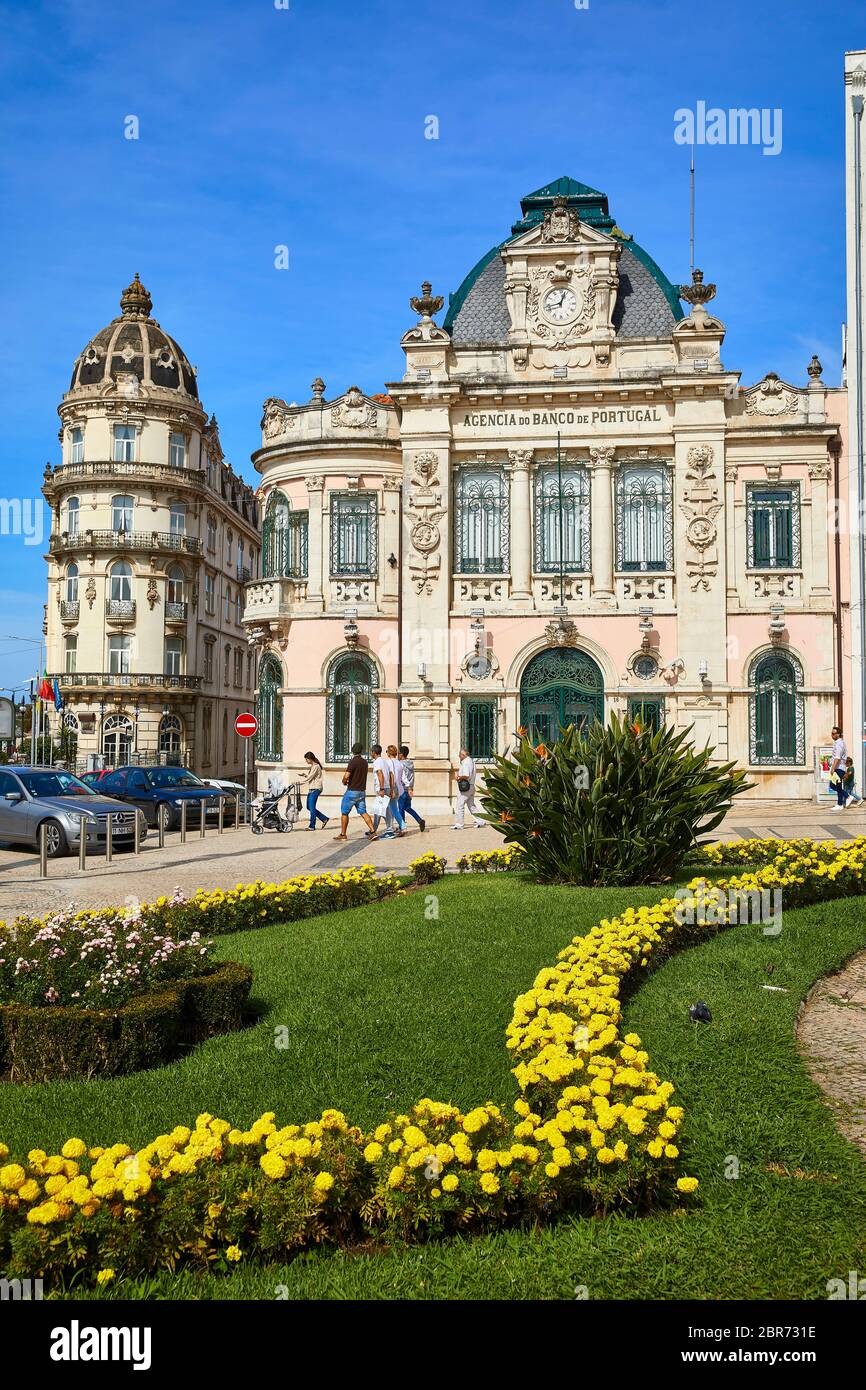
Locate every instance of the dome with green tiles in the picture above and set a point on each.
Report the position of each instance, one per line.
(647, 304)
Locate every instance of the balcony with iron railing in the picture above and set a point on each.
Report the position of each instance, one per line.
(69, 610)
(175, 611)
(126, 680)
(71, 473)
(120, 610)
(65, 541)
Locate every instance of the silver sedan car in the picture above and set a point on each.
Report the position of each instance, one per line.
(31, 797)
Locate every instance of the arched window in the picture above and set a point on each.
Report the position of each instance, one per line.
(120, 582)
(73, 513)
(175, 586)
(481, 526)
(170, 731)
(353, 709)
(121, 513)
(117, 733)
(776, 710)
(269, 740)
(72, 584)
(228, 603)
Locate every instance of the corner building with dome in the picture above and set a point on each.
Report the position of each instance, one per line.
(566, 506)
(153, 539)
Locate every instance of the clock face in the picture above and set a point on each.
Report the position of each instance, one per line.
(560, 305)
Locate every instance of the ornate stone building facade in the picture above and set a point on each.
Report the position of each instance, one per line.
(153, 539)
(566, 506)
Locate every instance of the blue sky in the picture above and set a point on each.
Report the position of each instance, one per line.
(305, 127)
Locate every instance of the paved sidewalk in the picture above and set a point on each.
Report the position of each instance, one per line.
(238, 856)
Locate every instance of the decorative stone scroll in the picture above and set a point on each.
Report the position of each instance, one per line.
(700, 506)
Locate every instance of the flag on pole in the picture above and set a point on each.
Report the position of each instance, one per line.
(58, 698)
(45, 689)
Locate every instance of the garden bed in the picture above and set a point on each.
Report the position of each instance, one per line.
(54, 1042)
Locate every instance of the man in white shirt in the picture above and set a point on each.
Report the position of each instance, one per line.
(383, 784)
(838, 767)
(466, 777)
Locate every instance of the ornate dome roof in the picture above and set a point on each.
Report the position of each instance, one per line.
(134, 344)
(647, 304)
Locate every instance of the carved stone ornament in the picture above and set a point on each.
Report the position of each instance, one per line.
(561, 223)
(354, 411)
(152, 592)
(697, 293)
(424, 513)
(542, 279)
(700, 506)
(562, 632)
(820, 471)
(426, 304)
(276, 418)
(90, 592)
(772, 397)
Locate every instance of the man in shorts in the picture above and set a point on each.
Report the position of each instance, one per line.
(354, 797)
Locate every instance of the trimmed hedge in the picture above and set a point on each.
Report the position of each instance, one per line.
(56, 1043)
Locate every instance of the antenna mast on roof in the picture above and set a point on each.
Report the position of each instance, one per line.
(692, 213)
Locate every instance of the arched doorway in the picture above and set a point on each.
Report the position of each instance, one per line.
(560, 687)
(117, 735)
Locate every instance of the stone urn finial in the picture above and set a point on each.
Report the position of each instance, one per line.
(814, 369)
(318, 390)
(426, 304)
(135, 302)
(697, 293)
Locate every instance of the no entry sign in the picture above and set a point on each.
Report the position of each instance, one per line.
(246, 725)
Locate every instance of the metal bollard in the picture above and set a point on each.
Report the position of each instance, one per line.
(202, 815)
(43, 850)
(82, 843)
(109, 839)
(183, 822)
(160, 827)
(220, 812)
(136, 846)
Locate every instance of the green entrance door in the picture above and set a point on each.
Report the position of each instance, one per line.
(560, 687)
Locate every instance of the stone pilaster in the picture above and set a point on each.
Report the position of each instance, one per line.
(315, 544)
(601, 522)
(521, 523)
(819, 474)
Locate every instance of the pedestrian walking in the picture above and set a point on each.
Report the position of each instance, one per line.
(385, 796)
(838, 765)
(853, 798)
(355, 795)
(466, 778)
(312, 780)
(408, 772)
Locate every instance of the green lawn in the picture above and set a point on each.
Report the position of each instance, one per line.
(383, 1007)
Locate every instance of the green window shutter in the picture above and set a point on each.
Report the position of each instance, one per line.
(763, 724)
(479, 728)
(761, 556)
(784, 549)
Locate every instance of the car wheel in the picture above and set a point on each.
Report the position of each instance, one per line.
(55, 837)
(172, 816)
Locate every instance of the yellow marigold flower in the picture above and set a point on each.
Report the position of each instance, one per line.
(54, 1185)
(485, 1160)
(323, 1182)
(12, 1176)
(395, 1146)
(105, 1276)
(380, 1134)
(489, 1184)
(396, 1176)
(43, 1215)
(450, 1183)
(74, 1148)
(233, 1253)
(605, 1155)
(667, 1130)
(686, 1184)
(29, 1190)
(552, 1170)
(671, 1151)
(36, 1157)
(273, 1165)
(372, 1152)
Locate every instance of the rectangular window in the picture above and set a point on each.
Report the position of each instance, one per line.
(73, 513)
(76, 447)
(121, 514)
(70, 654)
(562, 522)
(644, 518)
(177, 515)
(177, 450)
(211, 535)
(173, 656)
(773, 527)
(124, 443)
(119, 649)
(209, 594)
(354, 527)
(650, 713)
(208, 661)
(239, 668)
(481, 527)
(478, 720)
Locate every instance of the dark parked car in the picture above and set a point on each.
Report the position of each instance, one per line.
(148, 788)
(31, 797)
(94, 778)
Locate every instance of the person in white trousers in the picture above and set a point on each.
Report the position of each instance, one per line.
(466, 773)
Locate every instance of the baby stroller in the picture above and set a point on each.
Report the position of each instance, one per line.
(269, 815)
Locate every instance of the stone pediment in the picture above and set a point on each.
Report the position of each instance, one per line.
(774, 397)
(350, 415)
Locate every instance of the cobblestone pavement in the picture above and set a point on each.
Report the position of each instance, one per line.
(832, 1038)
(238, 856)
